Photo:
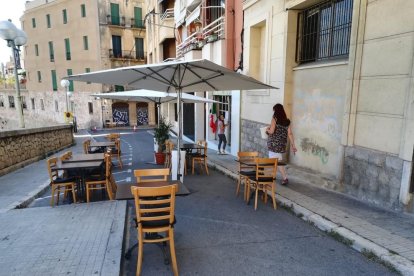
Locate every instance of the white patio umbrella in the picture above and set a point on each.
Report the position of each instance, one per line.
(156, 97)
(176, 76)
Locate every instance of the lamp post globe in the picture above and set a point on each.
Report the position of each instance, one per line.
(14, 37)
(8, 30)
(21, 38)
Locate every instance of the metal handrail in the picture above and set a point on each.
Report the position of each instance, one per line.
(214, 28)
(169, 13)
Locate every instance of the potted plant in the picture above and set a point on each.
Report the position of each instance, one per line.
(161, 134)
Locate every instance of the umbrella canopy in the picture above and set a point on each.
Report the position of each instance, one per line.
(152, 96)
(176, 76)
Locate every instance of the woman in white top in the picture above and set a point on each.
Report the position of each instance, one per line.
(221, 126)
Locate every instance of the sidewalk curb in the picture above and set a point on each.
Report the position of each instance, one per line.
(24, 202)
(357, 242)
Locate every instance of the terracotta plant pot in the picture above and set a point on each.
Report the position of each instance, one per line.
(160, 158)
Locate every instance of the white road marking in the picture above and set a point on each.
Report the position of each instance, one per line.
(128, 179)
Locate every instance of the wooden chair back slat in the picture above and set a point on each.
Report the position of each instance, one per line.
(266, 169)
(50, 163)
(151, 198)
(151, 175)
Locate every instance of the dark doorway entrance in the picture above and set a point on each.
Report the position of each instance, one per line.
(188, 120)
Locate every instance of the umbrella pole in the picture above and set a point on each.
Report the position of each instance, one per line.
(158, 113)
(180, 119)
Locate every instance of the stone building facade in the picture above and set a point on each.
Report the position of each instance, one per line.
(71, 37)
(347, 87)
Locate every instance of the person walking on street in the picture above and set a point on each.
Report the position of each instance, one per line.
(221, 127)
(279, 131)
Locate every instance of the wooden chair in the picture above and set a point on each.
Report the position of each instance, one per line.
(169, 147)
(245, 171)
(104, 182)
(57, 183)
(264, 179)
(86, 145)
(116, 152)
(65, 156)
(113, 136)
(200, 156)
(151, 175)
(155, 214)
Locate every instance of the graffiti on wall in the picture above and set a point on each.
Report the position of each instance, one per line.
(120, 116)
(142, 116)
(309, 146)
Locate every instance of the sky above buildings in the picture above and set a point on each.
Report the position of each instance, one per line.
(10, 10)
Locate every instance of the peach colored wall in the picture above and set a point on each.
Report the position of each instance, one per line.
(234, 26)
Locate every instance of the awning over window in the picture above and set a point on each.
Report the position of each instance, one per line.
(193, 16)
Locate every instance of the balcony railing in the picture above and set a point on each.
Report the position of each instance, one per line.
(169, 13)
(130, 55)
(210, 33)
(140, 24)
(122, 21)
(115, 20)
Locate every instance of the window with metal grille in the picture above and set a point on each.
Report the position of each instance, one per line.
(324, 31)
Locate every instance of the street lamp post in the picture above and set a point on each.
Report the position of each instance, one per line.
(15, 38)
(65, 84)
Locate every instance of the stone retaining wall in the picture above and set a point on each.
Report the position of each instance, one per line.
(251, 139)
(19, 148)
(373, 176)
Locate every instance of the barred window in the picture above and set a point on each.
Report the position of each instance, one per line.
(324, 31)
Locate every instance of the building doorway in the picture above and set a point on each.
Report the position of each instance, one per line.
(120, 113)
(142, 114)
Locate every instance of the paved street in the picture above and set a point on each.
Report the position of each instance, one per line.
(216, 232)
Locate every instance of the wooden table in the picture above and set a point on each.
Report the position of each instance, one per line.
(82, 167)
(95, 144)
(124, 189)
(85, 158)
(252, 163)
(188, 147)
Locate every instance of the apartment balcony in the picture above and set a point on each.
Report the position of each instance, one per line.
(209, 34)
(128, 55)
(137, 24)
(167, 27)
(113, 20)
(123, 22)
